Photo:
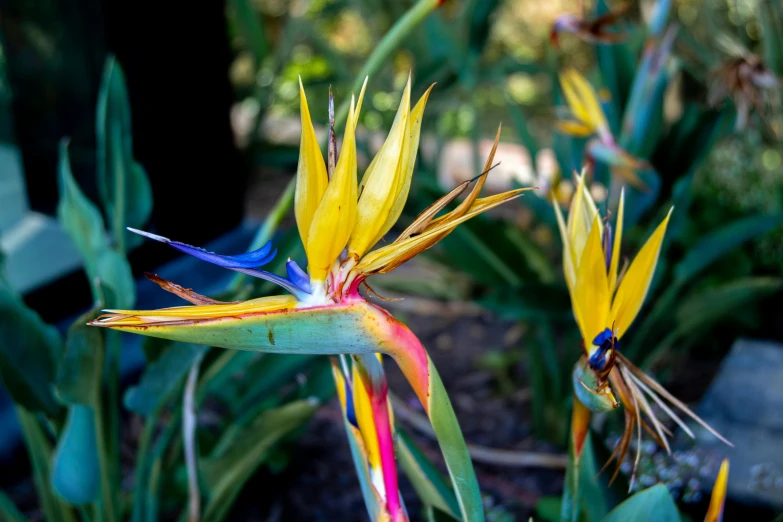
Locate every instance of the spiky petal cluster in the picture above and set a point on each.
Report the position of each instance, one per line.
(340, 219)
(588, 120)
(605, 300)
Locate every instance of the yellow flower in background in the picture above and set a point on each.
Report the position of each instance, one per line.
(589, 121)
(605, 299)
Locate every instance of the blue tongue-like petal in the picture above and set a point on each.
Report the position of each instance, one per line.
(252, 259)
(298, 276)
(244, 263)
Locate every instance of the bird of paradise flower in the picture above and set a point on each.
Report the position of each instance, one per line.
(339, 221)
(589, 121)
(605, 299)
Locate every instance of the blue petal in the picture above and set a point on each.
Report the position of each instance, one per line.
(602, 337)
(298, 276)
(252, 259)
(350, 410)
(273, 278)
(244, 263)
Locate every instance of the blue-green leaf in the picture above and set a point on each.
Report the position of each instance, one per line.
(225, 475)
(425, 477)
(9, 511)
(76, 476)
(721, 241)
(79, 372)
(161, 378)
(123, 183)
(29, 349)
(650, 505)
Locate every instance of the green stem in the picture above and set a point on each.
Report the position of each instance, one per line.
(142, 466)
(189, 439)
(107, 495)
(388, 44)
(269, 227)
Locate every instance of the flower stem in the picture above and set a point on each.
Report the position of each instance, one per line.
(189, 438)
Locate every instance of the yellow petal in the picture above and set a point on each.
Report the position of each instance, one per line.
(391, 256)
(591, 293)
(334, 219)
(339, 382)
(380, 181)
(137, 317)
(572, 97)
(618, 234)
(573, 128)
(311, 178)
(470, 201)
(569, 261)
(365, 419)
(404, 181)
(581, 216)
(583, 100)
(633, 288)
(359, 103)
(715, 511)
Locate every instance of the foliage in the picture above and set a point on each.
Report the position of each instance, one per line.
(710, 285)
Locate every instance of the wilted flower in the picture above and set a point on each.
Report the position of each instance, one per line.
(597, 30)
(588, 120)
(605, 300)
(748, 83)
(339, 221)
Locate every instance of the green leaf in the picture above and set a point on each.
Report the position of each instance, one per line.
(425, 477)
(455, 452)
(76, 474)
(161, 378)
(123, 184)
(40, 453)
(224, 476)
(29, 349)
(79, 216)
(533, 301)
(721, 241)
(548, 508)
(8, 510)
(79, 373)
(650, 505)
(251, 30)
(113, 273)
(705, 308)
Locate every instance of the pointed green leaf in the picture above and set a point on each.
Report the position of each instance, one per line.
(78, 215)
(161, 378)
(425, 477)
(123, 183)
(650, 505)
(721, 241)
(40, 452)
(76, 474)
(704, 308)
(225, 475)
(9, 511)
(79, 372)
(29, 349)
